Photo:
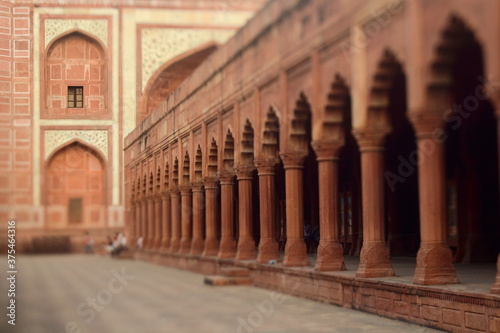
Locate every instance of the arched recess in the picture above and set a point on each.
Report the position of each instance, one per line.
(175, 173)
(471, 144)
(75, 78)
(158, 180)
(198, 165)
(169, 76)
(228, 165)
(300, 140)
(76, 189)
(212, 159)
(228, 154)
(166, 177)
(185, 169)
(388, 108)
(337, 127)
(247, 159)
(270, 150)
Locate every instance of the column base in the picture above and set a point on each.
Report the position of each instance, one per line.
(147, 243)
(196, 246)
(185, 245)
(434, 264)
(165, 245)
(374, 260)
(496, 287)
(246, 249)
(157, 244)
(330, 256)
(296, 253)
(268, 250)
(175, 244)
(227, 248)
(211, 247)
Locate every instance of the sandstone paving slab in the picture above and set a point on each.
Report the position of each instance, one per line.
(97, 294)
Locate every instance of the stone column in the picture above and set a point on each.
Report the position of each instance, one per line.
(246, 243)
(175, 239)
(166, 215)
(375, 256)
(158, 222)
(295, 248)
(330, 251)
(496, 102)
(227, 247)
(132, 224)
(434, 257)
(211, 241)
(186, 214)
(151, 222)
(197, 243)
(144, 220)
(268, 247)
(138, 221)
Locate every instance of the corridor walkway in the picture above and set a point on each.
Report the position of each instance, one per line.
(93, 294)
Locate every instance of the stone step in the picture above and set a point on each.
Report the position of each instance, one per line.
(217, 280)
(233, 271)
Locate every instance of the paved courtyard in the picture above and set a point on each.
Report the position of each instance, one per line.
(80, 294)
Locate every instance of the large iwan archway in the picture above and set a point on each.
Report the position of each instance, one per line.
(75, 191)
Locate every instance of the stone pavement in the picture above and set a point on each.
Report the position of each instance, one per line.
(94, 294)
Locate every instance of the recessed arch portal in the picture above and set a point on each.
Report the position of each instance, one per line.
(76, 191)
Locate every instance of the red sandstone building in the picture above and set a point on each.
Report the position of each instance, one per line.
(73, 76)
(375, 121)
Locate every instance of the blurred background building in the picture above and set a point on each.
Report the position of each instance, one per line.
(75, 78)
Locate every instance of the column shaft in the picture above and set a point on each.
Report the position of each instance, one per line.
(246, 243)
(186, 203)
(295, 248)
(330, 251)
(197, 243)
(434, 257)
(166, 228)
(158, 223)
(268, 247)
(227, 244)
(374, 257)
(211, 241)
(176, 220)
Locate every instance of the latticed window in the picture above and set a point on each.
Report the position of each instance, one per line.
(75, 97)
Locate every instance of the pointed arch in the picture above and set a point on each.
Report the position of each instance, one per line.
(185, 169)
(247, 143)
(166, 177)
(79, 60)
(198, 165)
(158, 180)
(170, 75)
(337, 112)
(300, 131)
(271, 135)
(384, 79)
(175, 173)
(213, 159)
(75, 187)
(228, 157)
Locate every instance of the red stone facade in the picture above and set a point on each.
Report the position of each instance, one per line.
(374, 122)
(72, 78)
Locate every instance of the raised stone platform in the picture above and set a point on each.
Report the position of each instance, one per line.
(457, 308)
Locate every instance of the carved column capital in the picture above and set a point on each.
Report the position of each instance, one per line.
(326, 150)
(293, 160)
(165, 194)
(244, 172)
(426, 125)
(266, 166)
(174, 191)
(226, 177)
(197, 186)
(210, 182)
(185, 189)
(370, 139)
